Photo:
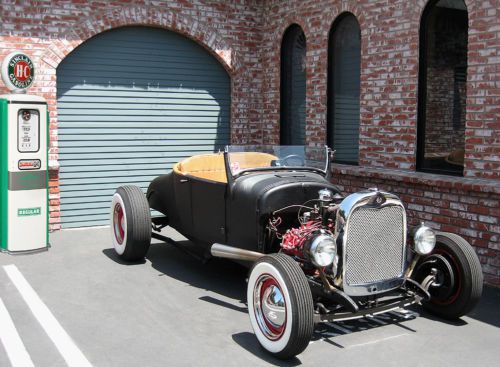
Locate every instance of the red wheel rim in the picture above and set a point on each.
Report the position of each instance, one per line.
(270, 307)
(118, 223)
(457, 274)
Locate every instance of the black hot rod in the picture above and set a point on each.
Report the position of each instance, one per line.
(315, 254)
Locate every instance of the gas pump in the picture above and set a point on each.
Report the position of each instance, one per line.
(23, 160)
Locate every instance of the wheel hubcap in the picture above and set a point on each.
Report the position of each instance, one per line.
(447, 284)
(270, 307)
(119, 223)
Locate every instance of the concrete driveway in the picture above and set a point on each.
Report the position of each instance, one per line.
(172, 310)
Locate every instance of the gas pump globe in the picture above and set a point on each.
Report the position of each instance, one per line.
(23, 160)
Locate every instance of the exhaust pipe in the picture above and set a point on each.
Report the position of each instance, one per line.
(228, 252)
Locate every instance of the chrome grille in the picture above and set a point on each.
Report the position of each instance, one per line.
(374, 244)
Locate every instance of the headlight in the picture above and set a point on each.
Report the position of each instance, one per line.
(323, 250)
(425, 240)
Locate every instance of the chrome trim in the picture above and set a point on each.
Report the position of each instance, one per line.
(313, 249)
(416, 239)
(273, 306)
(228, 252)
(325, 195)
(370, 312)
(269, 307)
(346, 209)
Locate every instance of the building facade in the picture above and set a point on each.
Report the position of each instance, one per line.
(407, 92)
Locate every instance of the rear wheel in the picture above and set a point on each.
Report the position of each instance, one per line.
(280, 305)
(130, 223)
(458, 281)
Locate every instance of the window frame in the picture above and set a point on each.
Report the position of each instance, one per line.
(422, 94)
(330, 115)
(287, 92)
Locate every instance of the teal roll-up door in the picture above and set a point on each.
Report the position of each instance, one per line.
(131, 102)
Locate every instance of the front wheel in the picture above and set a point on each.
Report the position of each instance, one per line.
(130, 223)
(280, 305)
(458, 283)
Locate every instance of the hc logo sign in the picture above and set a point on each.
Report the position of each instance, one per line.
(18, 71)
(22, 71)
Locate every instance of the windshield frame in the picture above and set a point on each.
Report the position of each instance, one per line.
(231, 177)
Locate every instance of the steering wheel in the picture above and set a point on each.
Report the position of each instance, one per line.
(287, 161)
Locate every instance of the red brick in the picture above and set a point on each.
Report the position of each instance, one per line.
(479, 209)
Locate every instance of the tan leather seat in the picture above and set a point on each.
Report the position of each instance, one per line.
(211, 166)
(456, 157)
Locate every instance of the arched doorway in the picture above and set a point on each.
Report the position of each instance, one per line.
(132, 102)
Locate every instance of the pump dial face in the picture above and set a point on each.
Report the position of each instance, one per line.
(26, 115)
(28, 131)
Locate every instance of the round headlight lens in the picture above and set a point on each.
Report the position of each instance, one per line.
(323, 250)
(425, 240)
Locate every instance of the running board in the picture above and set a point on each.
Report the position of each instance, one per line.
(178, 246)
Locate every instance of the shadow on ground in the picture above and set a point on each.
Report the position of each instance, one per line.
(217, 275)
(228, 279)
(328, 331)
(249, 342)
(487, 309)
(110, 253)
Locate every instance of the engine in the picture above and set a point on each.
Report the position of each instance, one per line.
(309, 234)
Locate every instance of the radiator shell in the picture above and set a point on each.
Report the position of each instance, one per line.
(372, 229)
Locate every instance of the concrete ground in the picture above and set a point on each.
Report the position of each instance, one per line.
(172, 310)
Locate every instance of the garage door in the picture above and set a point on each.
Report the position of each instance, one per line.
(131, 102)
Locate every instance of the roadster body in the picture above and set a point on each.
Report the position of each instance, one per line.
(210, 208)
(315, 255)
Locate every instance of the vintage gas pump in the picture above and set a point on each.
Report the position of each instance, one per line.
(23, 160)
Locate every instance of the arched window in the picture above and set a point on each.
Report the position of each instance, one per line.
(293, 87)
(344, 59)
(442, 87)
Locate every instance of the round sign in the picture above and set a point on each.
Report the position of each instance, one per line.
(18, 71)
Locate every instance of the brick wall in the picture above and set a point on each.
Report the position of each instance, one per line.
(389, 78)
(245, 35)
(388, 111)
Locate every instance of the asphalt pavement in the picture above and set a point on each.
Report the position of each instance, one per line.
(172, 310)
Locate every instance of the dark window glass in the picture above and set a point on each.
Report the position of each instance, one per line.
(344, 58)
(442, 87)
(293, 87)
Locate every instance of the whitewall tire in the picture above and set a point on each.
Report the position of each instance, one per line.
(130, 223)
(280, 305)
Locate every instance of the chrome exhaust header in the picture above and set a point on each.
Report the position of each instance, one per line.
(228, 252)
